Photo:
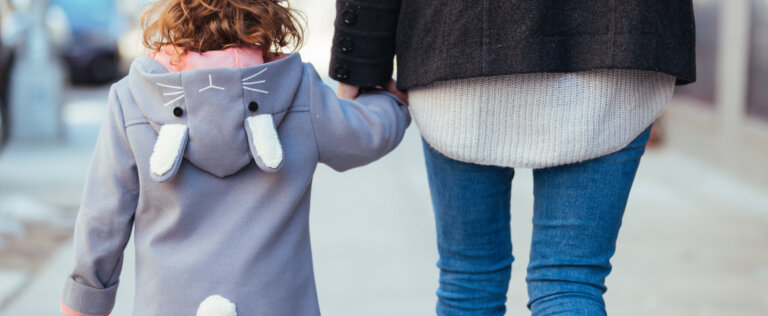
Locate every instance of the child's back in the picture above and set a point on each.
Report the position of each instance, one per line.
(212, 168)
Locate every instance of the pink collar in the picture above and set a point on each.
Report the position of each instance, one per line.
(227, 58)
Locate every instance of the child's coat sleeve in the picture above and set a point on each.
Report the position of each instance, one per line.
(354, 133)
(104, 221)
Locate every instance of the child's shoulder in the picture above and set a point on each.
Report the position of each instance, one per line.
(122, 99)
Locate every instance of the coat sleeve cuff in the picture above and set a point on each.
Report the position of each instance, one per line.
(364, 41)
(83, 300)
(360, 73)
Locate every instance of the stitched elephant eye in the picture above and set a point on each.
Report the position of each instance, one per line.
(253, 106)
(178, 112)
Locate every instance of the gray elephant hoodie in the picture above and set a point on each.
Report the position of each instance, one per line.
(212, 169)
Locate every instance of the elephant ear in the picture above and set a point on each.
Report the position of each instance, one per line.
(264, 142)
(168, 151)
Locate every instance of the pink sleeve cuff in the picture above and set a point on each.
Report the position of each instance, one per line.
(66, 311)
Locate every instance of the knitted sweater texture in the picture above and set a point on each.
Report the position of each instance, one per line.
(539, 120)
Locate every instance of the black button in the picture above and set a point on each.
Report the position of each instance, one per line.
(346, 45)
(342, 72)
(349, 17)
(253, 106)
(178, 112)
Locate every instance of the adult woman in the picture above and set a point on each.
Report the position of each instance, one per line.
(568, 88)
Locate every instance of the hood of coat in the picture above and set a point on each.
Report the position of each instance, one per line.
(217, 119)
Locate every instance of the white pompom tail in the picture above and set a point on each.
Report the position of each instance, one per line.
(216, 305)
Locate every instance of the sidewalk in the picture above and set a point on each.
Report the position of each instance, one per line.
(40, 188)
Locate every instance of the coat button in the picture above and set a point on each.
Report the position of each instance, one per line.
(346, 45)
(341, 72)
(349, 17)
(178, 112)
(253, 106)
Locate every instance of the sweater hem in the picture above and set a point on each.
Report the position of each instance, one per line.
(530, 163)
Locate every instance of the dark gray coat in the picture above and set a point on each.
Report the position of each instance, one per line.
(450, 39)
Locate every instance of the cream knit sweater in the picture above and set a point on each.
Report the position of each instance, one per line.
(539, 120)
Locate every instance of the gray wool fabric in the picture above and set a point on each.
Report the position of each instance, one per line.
(221, 220)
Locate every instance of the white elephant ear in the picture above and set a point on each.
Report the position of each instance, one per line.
(168, 151)
(216, 305)
(264, 142)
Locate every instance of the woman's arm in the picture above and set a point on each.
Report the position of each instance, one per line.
(364, 42)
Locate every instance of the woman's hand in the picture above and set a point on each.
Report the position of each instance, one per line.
(348, 91)
(351, 92)
(391, 87)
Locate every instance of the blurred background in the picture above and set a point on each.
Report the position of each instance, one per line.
(695, 235)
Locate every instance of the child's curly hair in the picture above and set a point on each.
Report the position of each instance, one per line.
(205, 25)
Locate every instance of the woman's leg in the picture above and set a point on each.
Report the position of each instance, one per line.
(577, 214)
(471, 204)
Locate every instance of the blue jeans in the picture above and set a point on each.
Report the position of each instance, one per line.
(577, 214)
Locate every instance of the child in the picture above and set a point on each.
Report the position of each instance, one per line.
(208, 153)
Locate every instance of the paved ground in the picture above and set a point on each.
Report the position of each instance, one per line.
(693, 242)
